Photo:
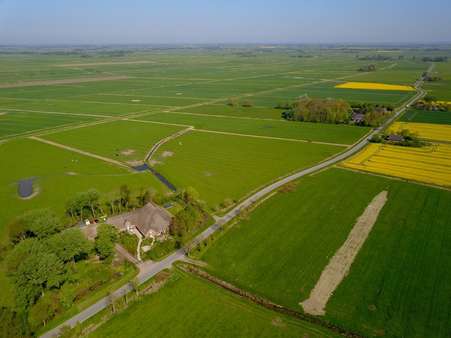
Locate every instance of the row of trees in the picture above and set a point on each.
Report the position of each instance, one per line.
(319, 110)
(431, 104)
(91, 204)
(369, 114)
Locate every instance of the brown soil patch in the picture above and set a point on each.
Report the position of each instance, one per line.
(127, 152)
(167, 154)
(2, 113)
(135, 101)
(340, 264)
(154, 162)
(278, 322)
(62, 81)
(135, 163)
(71, 173)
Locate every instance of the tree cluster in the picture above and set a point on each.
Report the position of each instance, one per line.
(403, 138)
(319, 110)
(435, 59)
(367, 68)
(190, 218)
(91, 205)
(431, 104)
(373, 114)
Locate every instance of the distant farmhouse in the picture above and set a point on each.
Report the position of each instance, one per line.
(148, 221)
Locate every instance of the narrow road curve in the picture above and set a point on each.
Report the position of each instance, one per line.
(149, 270)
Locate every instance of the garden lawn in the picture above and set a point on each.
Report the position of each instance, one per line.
(399, 283)
(321, 132)
(189, 307)
(223, 166)
(125, 141)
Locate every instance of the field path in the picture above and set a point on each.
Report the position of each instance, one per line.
(62, 81)
(157, 145)
(340, 264)
(149, 270)
(81, 152)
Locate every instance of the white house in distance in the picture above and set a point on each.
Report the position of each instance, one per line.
(148, 221)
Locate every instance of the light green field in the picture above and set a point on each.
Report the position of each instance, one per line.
(223, 166)
(441, 90)
(399, 281)
(333, 133)
(190, 307)
(423, 116)
(14, 123)
(114, 139)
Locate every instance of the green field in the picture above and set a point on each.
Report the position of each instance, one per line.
(126, 141)
(423, 116)
(204, 311)
(224, 166)
(17, 123)
(333, 133)
(441, 90)
(59, 174)
(402, 271)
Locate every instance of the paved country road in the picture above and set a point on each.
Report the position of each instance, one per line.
(149, 270)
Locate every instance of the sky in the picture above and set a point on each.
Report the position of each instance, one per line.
(24, 22)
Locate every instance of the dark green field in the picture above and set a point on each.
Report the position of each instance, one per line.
(190, 307)
(423, 116)
(399, 282)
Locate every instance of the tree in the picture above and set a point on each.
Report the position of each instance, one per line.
(70, 245)
(125, 195)
(84, 204)
(11, 323)
(143, 197)
(37, 273)
(39, 223)
(106, 238)
(44, 310)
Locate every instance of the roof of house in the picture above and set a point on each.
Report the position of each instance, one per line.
(149, 217)
(395, 138)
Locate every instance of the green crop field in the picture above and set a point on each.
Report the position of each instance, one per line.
(14, 123)
(205, 311)
(126, 141)
(441, 90)
(423, 116)
(224, 166)
(333, 133)
(399, 281)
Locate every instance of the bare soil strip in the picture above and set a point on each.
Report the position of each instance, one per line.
(82, 152)
(109, 63)
(62, 82)
(341, 262)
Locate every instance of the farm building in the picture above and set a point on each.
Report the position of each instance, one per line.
(149, 221)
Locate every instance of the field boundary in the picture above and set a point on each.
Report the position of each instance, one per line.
(63, 81)
(81, 152)
(202, 274)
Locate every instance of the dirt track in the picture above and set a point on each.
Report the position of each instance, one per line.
(62, 81)
(341, 262)
(104, 63)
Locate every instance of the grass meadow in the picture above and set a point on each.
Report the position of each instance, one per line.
(399, 281)
(126, 141)
(223, 167)
(205, 311)
(333, 133)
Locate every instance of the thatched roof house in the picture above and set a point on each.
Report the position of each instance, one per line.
(150, 220)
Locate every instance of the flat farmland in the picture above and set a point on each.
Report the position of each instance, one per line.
(238, 111)
(171, 317)
(126, 141)
(226, 166)
(340, 134)
(423, 116)
(397, 284)
(17, 122)
(59, 174)
(441, 90)
(427, 131)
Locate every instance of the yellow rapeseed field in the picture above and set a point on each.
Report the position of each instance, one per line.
(428, 131)
(374, 86)
(430, 164)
